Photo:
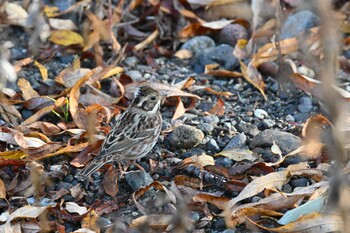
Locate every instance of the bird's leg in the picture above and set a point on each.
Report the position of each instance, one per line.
(128, 163)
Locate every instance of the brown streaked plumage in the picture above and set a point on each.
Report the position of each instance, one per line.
(135, 132)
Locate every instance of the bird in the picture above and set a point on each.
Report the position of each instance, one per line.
(134, 134)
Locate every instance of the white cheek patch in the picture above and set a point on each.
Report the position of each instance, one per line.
(155, 108)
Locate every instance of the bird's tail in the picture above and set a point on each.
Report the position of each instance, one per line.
(87, 171)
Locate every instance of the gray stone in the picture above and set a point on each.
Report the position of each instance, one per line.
(290, 118)
(198, 44)
(131, 61)
(260, 113)
(268, 123)
(206, 127)
(248, 128)
(213, 146)
(211, 119)
(223, 55)
(237, 141)
(138, 179)
(233, 32)
(305, 105)
(135, 75)
(185, 137)
(298, 23)
(286, 141)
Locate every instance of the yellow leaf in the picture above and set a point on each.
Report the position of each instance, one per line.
(66, 37)
(42, 69)
(14, 154)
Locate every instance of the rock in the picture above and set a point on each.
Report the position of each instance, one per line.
(231, 33)
(68, 178)
(237, 141)
(223, 162)
(298, 23)
(131, 61)
(305, 105)
(206, 127)
(260, 113)
(300, 182)
(290, 118)
(287, 188)
(286, 141)
(222, 55)
(135, 75)
(213, 146)
(192, 152)
(301, 117)
(64, 185)
(198, 44)
(247, 128)
(268, 123)
(138, 179)
(186, 137)
(211, 119)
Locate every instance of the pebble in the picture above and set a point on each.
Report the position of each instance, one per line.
(290, 118)
(301, 117)
(206, 127)
(138, 179)
(260, 113)
(286, 141)
(231, 33)
(198, 44)
(186, 137)
(64, 185)
(192, 152)
(305, 105)
(255, 199)
(212, 119)
(298, 23)
(213, 146)
(222, 55)
(223, 162)
(131, 61)
(247, 128)
(135, 75)
(268, 123)
(300, 182)
(237, 141)
(287, 188)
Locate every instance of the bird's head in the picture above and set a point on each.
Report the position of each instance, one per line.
(147, 99)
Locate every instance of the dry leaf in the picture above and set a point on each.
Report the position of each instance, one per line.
(219, 108)
(110, 182)
(2, 190)
(73, 207)
(269, 181)
(252, 75)
(238, 154)
(27, 90)
(66, 38)
(42, 69)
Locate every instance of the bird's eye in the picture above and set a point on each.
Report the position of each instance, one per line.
(153, 98)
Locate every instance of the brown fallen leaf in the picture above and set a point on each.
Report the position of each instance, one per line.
(180, 109)
(24, 62)
(242, 214)
(219, 202)
(187, 181)
(58, 103)
(147, 41)
(27, 90)
(77, 113)
(2, 190)
(67, 149)
(272, 180)
(311, 223)
(238, 154)
(252, 75)
(219, 108)
(110, 182)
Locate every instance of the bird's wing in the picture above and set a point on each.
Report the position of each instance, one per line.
(121, 138)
